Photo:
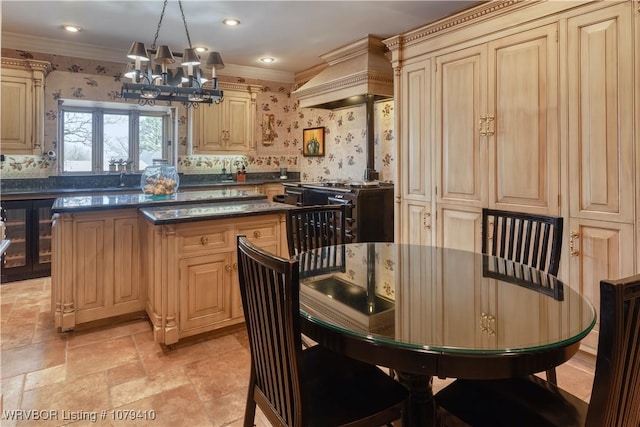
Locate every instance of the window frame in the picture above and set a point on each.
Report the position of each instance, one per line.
(98, 111)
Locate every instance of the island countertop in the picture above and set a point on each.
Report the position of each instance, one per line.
(98, 202)
(202, 212)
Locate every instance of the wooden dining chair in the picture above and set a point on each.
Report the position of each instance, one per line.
(533, 240)
(311, 227)
(295, 386)
(615, 395)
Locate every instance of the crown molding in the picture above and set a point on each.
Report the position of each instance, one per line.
(30, 43)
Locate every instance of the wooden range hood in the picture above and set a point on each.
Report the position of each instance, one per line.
(352, 72)
(357, 73)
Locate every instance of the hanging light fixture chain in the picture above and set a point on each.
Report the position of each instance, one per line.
(155, 39)
(184, 20)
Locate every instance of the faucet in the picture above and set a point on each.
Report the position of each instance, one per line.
(121, 179)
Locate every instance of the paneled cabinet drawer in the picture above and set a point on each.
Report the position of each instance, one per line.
(204, 239)
(260, 233)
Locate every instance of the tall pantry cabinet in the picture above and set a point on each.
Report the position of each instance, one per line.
(524, 106)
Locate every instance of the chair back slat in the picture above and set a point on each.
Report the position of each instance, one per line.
(615, 396)
(534, 240)
(269, 289)
(312, 227)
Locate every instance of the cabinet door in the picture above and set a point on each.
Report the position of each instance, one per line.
(522, 122)
(237, 122)
(460, 101)
(17, 109)
(264, 234)
(598, 250)
(416, 223)
(18, 257)
(106, 265)
(126, 261)
(209, 125)
(42, 235)
(415, 150)
(205, 292)
(459, 228)
(92, 262)
(225, 126)
(601, 116)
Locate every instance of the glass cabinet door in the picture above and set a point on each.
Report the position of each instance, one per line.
(28, 229)
(16, 216)
(42, 223)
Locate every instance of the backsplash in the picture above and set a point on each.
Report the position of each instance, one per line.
(277, 110)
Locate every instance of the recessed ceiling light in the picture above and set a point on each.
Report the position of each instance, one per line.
(231, 22)
(201, 49)
(267, 60)
(71, 28)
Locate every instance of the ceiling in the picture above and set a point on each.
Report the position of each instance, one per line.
(295, 33)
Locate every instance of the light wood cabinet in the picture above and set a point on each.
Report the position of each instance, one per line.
(22, 93)
(459, 227)
(496, 123)
(601, 151)
(601, 115)
(193, 272)
(597, 250)
(535, 109)
(416, 214)
(96, 267)
(228, 126)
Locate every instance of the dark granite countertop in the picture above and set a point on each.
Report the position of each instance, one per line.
(97, 202)
(202, 212)
(62, 186)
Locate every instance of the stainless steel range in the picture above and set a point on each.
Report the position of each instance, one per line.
(369, 205)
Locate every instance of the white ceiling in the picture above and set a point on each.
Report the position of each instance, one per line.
(296, 33)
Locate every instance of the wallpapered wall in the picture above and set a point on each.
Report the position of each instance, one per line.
(345, 129)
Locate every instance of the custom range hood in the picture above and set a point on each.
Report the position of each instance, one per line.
(358, 73)
(352, 72)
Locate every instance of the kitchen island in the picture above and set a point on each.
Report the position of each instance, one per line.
(115, 255)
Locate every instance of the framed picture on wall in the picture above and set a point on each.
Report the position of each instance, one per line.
(313, 142)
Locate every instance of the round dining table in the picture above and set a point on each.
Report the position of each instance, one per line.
(426, 311)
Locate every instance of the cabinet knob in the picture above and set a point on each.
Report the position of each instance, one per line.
(204, 240)
(257, 234)
(235, 266)
(228, 267)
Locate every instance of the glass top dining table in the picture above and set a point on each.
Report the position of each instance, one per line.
(430, 311)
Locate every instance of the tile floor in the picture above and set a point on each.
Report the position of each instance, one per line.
(118, 368)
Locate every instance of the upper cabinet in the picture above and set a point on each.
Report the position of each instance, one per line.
(228, 126)
(524, 106)
(496, 123)
(22, 89)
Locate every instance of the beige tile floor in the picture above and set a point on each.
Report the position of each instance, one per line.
(118, 369)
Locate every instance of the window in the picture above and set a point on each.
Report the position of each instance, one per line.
(93, 135)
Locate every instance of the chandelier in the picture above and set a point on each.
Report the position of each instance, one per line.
(159, 83)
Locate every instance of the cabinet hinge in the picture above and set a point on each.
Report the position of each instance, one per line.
(556, 36)
(559, 200)
(436, 190)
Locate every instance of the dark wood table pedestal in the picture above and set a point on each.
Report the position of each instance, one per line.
(422, 408)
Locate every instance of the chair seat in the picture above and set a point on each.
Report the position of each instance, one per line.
(522, 402)
(343, 391)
